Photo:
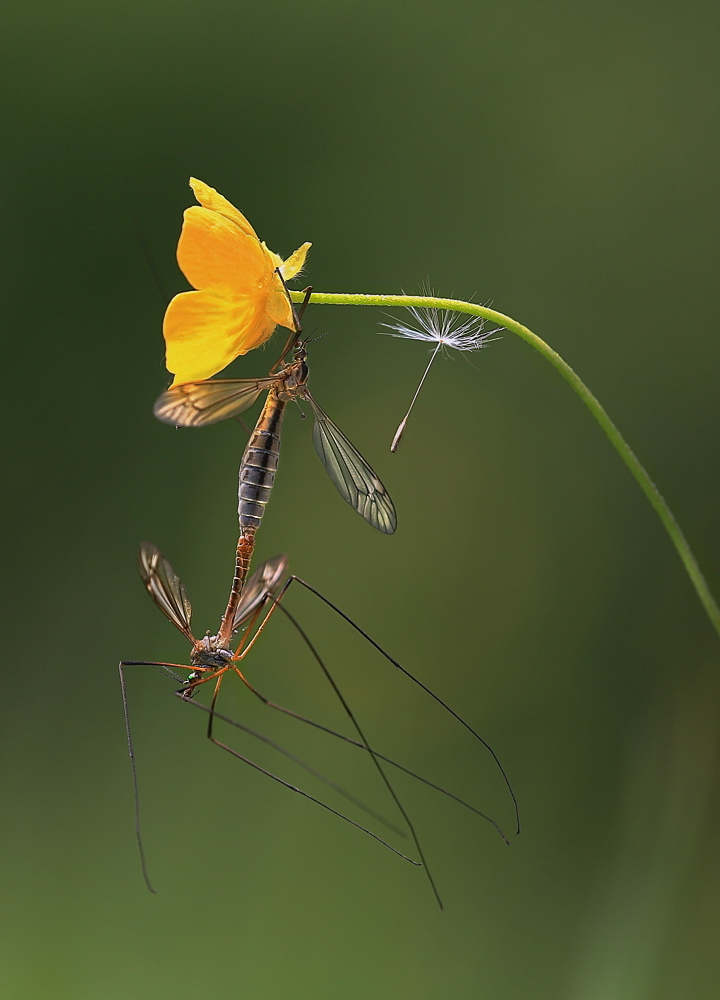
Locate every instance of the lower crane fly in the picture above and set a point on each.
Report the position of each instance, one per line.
(211, 658)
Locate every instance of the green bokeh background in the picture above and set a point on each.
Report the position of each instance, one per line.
(558, 160)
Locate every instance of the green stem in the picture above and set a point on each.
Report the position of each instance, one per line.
(616, 439)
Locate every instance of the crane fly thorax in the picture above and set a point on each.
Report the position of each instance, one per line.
(291, 383)
(208, 653)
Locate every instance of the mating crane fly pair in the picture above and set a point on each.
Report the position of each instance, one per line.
(254, 599)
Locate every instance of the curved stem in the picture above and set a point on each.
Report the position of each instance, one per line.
(615, 437)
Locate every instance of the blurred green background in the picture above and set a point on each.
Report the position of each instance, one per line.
(557, 160)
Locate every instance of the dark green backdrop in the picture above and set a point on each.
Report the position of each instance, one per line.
(559, 160)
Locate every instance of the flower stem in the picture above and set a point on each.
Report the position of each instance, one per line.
(615, 437)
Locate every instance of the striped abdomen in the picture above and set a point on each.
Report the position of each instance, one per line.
(259, 462)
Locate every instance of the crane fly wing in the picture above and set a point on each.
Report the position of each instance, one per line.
(353, 477)
(261, 585)
(165, 588)
(197, 404)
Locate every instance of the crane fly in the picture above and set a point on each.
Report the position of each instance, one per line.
(211, 658)
(198, 404)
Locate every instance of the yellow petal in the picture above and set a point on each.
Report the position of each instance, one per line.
(216, 256)
(204, 333)
(295, 263)
(210, 198)
(278, 308)
(274, 258)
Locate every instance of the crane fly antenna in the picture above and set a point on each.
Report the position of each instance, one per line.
(314, 339)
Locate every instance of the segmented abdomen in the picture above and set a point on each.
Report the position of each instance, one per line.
(259, 463)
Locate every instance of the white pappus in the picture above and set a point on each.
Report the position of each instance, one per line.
(445, 329)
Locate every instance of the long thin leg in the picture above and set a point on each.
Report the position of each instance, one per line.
(187, 693)
(297, 317)
(415, 680)
(356, 725)
(183, 694)
(164, 669)
(353, 743)
(286, 784)
(400, 767)
(243, 650)
(216, 692)
(212, 715)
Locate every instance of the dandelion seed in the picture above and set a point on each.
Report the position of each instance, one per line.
(443, 328)
(240, 297)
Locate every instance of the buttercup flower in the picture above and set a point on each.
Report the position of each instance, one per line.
(240, 298)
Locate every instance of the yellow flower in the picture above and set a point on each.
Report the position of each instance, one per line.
(239, 299)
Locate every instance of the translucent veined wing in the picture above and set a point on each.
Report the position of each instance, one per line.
(259, 587)
(197, 404)
(353, 477)
(165, 588)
